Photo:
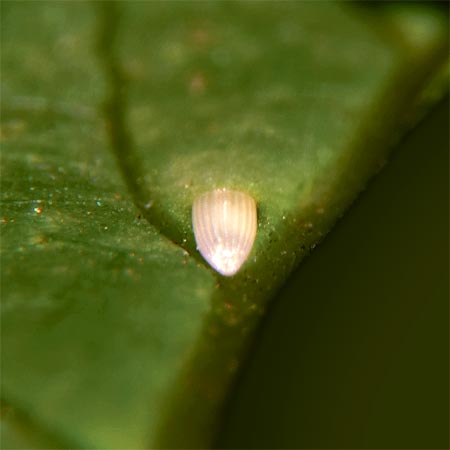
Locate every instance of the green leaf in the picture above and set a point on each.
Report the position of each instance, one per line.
(117, 334)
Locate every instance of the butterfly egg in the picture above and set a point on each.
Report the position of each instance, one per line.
(224, 225)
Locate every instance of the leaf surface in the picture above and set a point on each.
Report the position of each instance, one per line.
(117, 334)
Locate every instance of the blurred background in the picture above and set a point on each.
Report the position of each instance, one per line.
(362, 359)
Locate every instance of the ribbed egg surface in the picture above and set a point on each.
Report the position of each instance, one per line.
(225, 224)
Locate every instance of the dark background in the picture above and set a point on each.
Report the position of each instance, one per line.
(354, 352)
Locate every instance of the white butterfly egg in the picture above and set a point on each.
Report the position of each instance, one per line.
(225, 225)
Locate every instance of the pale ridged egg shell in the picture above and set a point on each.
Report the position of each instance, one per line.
(225, 224)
